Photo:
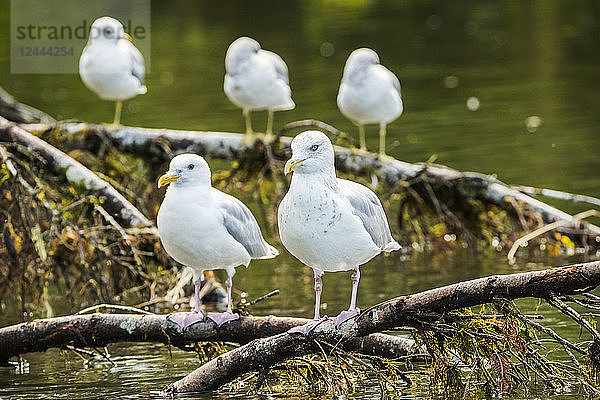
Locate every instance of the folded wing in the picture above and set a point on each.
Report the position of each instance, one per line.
(241, 224)
(367, 207)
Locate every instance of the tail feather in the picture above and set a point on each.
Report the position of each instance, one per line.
(392, 246)
(271, 252)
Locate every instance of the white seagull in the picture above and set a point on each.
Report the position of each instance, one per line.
(111, 65)
(369, 94)
(206, 229)
(327, 223)
(256, 79)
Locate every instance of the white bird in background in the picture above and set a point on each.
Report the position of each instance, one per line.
(329, 224)
(369, 94)
(256, 79)
(206, 229)
(111, 65)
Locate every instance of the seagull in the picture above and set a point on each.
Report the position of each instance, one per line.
(327, 223)
(256, 79)
(206, 229)
(369, 94)
(110, 65)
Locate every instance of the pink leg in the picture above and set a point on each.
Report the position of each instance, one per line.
(305, 329)
(221, 318)
(318, 290)
(197, 286)
(185, 319)
(352, 310)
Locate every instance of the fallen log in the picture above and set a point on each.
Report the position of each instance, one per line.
(75, 173)
(100, 329)
(261, 354)
(231, 146)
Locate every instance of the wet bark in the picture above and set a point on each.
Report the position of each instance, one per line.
(401, 311)
(97, 330)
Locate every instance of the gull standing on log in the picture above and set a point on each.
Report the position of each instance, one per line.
(329, 224)
(369, 94)
(256, 79)
(110, 65)
(206, 229)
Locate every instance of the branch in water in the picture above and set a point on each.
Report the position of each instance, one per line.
(97, 330)
(401, 311)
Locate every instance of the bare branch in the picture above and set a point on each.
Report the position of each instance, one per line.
(403, 310)
(97, 330)
(76, 173)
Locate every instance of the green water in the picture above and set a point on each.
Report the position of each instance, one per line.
(519, 59)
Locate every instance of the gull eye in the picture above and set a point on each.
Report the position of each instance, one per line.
(314, 147)
(191, 166)
(108, 31)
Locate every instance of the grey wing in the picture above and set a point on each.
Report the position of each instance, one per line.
(280, 66)
(366, 206)
(137, 62)
(392, 77)
(241, 224)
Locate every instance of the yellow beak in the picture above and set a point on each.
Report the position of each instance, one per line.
(166, 179)
(290, 165)
(126, 36)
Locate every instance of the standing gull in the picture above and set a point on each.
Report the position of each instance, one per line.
(111, 65)
(256, 79)
(206, 229)
(369, 94)
(329, 224)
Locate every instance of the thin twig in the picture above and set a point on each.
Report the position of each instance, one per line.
(546, 228)
(554, 301)
(557, 194)
(316, 124)
(114, 307)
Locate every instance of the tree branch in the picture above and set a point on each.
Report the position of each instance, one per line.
(76, 173)
(227, 145)
(15, 111)
(401, 311)
(97, 330)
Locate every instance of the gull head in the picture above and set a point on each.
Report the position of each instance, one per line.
(186, 169)
(363, 56)
(312, 152)
(240, 50)
(107, 30)
(360, 59)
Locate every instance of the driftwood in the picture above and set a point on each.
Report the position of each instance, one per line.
(147, 141)
(76, 174)
(97, 330)
(259, 355)
(16, 111)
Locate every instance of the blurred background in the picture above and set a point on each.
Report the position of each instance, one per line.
(529, 68)
(500, 87)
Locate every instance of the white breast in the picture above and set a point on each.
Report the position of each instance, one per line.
(257, 86)
(107, 70)
(317, 226)
(372, 99)
(194, 235)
